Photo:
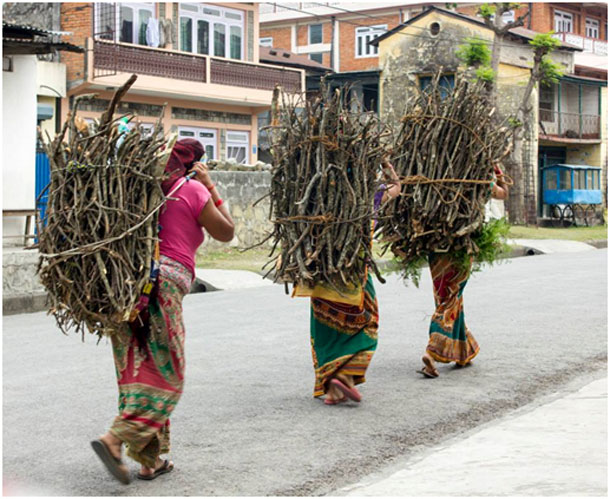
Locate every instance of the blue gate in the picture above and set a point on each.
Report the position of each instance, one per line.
(43, 177)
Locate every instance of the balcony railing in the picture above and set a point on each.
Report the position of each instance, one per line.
(591, 45)
(569, 125)
(109, 58)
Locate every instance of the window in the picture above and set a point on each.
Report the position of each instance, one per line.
(315, 34)
(447, 82)
(364, 35)
(207, 137)
(508, 17)
(237, 146)
(565, 180)
(591, 28)
(579, 179)
(316, 56)
(266, 42)
(551, 180)
(564, 22)
(546, 103)
(127, 20)
(211, 30)
(592, 179)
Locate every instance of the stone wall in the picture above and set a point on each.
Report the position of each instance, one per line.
(21, 288)
(240, 190)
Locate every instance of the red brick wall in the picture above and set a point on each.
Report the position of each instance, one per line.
(281, 37)
(78, 19)
(303, 33)
(347, 42)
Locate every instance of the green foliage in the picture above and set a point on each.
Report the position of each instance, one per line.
(550, 72)
(491, 243)
(514, 122)
(487, 10)
(474, 53)
(545, 43)
(485, 73)
(412, 270)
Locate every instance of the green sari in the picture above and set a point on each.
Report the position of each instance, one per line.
(343, 337)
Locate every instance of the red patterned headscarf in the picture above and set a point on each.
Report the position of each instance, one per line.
(184, 154)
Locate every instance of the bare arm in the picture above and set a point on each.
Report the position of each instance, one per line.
(392, 181)
(499, 189)
(216, 220)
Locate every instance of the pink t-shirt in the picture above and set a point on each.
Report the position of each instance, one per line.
(180, 233)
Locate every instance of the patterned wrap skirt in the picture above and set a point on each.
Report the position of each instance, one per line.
(450, 339)
(151, 381)
(343, 337)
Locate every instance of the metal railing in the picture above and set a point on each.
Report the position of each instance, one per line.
(124, 58)
(570, 125)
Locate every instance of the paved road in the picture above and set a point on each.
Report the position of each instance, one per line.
(247, 424)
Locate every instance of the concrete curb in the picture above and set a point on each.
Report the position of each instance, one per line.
(13, 305)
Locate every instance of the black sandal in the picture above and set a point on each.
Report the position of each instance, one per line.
(166, 467)
(114, 465)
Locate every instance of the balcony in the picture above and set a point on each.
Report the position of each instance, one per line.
(588, 45)
(569, 125)
(222, 80)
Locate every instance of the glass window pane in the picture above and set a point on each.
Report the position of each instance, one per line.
(203, 37)
(219, 40)
(126, 34)
(590, 180)
(317, 56)
(211, 12)
(315, 33)
(565, 181)
(144, 16)
(191, 7)
(209, 152)
(186, 34)
(551, 180)
(232, 15)
(235, 42)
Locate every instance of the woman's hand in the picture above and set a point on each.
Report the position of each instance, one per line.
(202, 174)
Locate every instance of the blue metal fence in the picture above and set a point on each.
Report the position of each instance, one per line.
(43, 177)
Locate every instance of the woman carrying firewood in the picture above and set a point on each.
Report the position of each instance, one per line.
(344, 327)
(149, 356)
(450, 340)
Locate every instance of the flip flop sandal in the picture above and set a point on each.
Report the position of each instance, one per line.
(328, 401)
(112, 463)
(350, 393)
(426, 373)
(166, 467)
(429, 371)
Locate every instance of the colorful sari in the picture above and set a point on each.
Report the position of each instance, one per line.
(151, 379)
(343, 337)
(450, 339)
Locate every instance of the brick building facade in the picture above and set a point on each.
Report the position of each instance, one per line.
(199, 60)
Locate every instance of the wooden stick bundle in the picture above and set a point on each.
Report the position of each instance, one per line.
(444, 153)
(102, 215)
(324, 178)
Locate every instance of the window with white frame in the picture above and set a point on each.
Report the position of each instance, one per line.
(266, 42)
(564, 22)
(125, 22)
(592, 28)
(206, 136)
(508, 16)
(364, 35)
(238, 144)
(315, 34)
(316, 56)
(211, 30)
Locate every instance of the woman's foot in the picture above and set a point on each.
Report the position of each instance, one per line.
(429, 370)
(345, 384)
(333, 395)
(108, 449)
(161, 467)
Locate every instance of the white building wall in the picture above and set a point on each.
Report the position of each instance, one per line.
(18, 141)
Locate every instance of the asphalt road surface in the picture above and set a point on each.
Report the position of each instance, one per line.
(247, 423)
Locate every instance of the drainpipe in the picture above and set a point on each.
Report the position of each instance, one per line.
(332, 42)
(529, 18)
(559, 107)
(580, 111)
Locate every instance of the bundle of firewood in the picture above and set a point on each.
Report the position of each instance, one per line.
(97, 239)
(444, 153)
(326, 159)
